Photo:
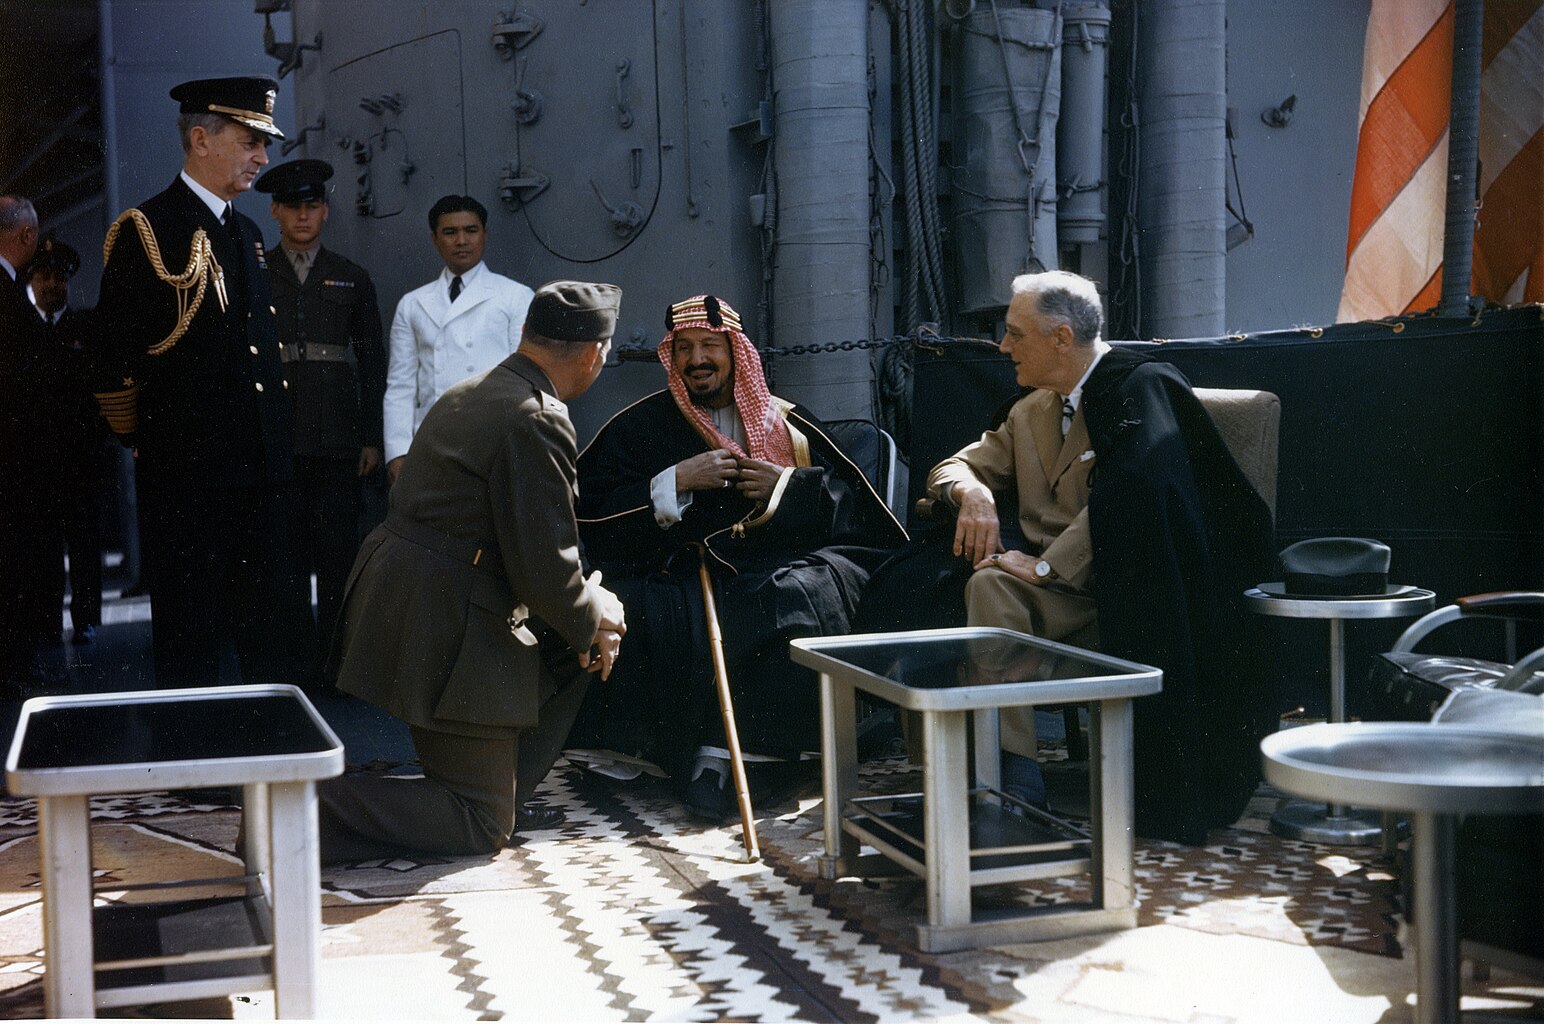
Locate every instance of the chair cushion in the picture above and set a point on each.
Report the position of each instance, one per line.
(1409, 687)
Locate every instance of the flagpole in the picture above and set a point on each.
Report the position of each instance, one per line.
(1463, 158)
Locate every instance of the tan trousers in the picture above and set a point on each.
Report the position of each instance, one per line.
(995, 597)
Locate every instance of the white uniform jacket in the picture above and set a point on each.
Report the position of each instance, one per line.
(436, 343)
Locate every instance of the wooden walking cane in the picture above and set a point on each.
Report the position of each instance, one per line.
(742, 787)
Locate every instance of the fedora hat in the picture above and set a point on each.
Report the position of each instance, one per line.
(1335, 567)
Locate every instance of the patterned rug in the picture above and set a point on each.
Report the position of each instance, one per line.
(631, 910)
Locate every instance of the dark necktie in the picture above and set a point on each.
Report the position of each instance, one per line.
(236, 273)
(455, 287)
(1068, 411)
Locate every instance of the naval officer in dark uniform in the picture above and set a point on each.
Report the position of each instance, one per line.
(191, 378)
(335, 359)
(75, 441)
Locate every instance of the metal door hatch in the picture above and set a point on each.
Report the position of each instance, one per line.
(584, 105)
(397, 117)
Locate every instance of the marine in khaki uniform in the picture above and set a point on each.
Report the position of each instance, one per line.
(335, 359)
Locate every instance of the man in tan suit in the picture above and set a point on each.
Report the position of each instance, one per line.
(468, 615)
(1041, 453)
(1146, 556)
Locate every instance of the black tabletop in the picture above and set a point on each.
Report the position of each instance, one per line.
(196, 729)
(943, 662)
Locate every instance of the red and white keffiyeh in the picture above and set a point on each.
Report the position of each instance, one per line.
(766, 431)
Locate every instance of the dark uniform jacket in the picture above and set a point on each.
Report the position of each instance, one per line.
(21, 331)
(334, 355)
(211, 409)
(77, 424)
(436, 640)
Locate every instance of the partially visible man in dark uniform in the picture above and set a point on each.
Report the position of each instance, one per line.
(77, 443)
(20, 643)
(330, 333)
(190, 376)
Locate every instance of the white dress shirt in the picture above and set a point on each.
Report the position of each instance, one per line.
(436, 343)
(215, 203)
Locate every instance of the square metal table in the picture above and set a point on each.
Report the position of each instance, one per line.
(959, 833)
(269, 740)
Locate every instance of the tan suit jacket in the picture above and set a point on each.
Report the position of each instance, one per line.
(1050, 476)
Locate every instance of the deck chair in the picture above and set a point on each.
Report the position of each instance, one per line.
(875, 453)
(1500, 886)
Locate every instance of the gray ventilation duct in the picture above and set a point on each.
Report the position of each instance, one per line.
(1181, 204)
(1080, 178)
(1007, 98)
(820, 284)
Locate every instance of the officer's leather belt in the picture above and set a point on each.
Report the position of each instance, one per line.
(316, 352)
(458, 549)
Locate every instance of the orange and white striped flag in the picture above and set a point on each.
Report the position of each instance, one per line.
(1394, 242)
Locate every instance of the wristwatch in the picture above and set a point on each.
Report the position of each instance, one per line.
(1043, 569)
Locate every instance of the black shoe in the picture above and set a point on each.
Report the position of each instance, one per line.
(709, 797)
(84, 635)
(532, 817)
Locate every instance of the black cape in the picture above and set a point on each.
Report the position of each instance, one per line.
(798, 571)
(1178, 535)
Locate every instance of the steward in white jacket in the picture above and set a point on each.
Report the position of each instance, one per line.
(436, 343)
(465, 321)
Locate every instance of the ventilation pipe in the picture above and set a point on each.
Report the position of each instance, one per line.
(820, 284)
(1007, 98)
(1463, 158)
(1181, 205)
(1080, 179)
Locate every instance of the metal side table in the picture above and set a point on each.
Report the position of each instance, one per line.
(957, 834)
(268, 740)
(1434, 773)
(1334, 822)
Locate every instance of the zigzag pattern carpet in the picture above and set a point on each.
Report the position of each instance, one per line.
(633, 911)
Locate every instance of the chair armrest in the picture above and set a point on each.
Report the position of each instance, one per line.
(1515, 605)
(932, 510)
(1521, 605)
(1527, 676)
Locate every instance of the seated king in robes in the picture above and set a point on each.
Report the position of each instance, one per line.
(716, 467)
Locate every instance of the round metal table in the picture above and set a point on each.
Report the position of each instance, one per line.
(1433, 773)
(1334, 822)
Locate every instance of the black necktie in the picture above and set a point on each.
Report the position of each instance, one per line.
(455, 287)
(236, 272)
(1068, 412)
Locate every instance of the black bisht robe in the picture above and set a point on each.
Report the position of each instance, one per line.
(795, 569)
(1178, 535)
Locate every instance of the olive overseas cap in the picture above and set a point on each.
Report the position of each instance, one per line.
(297, 181)
(574, 311)
(247, 101)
